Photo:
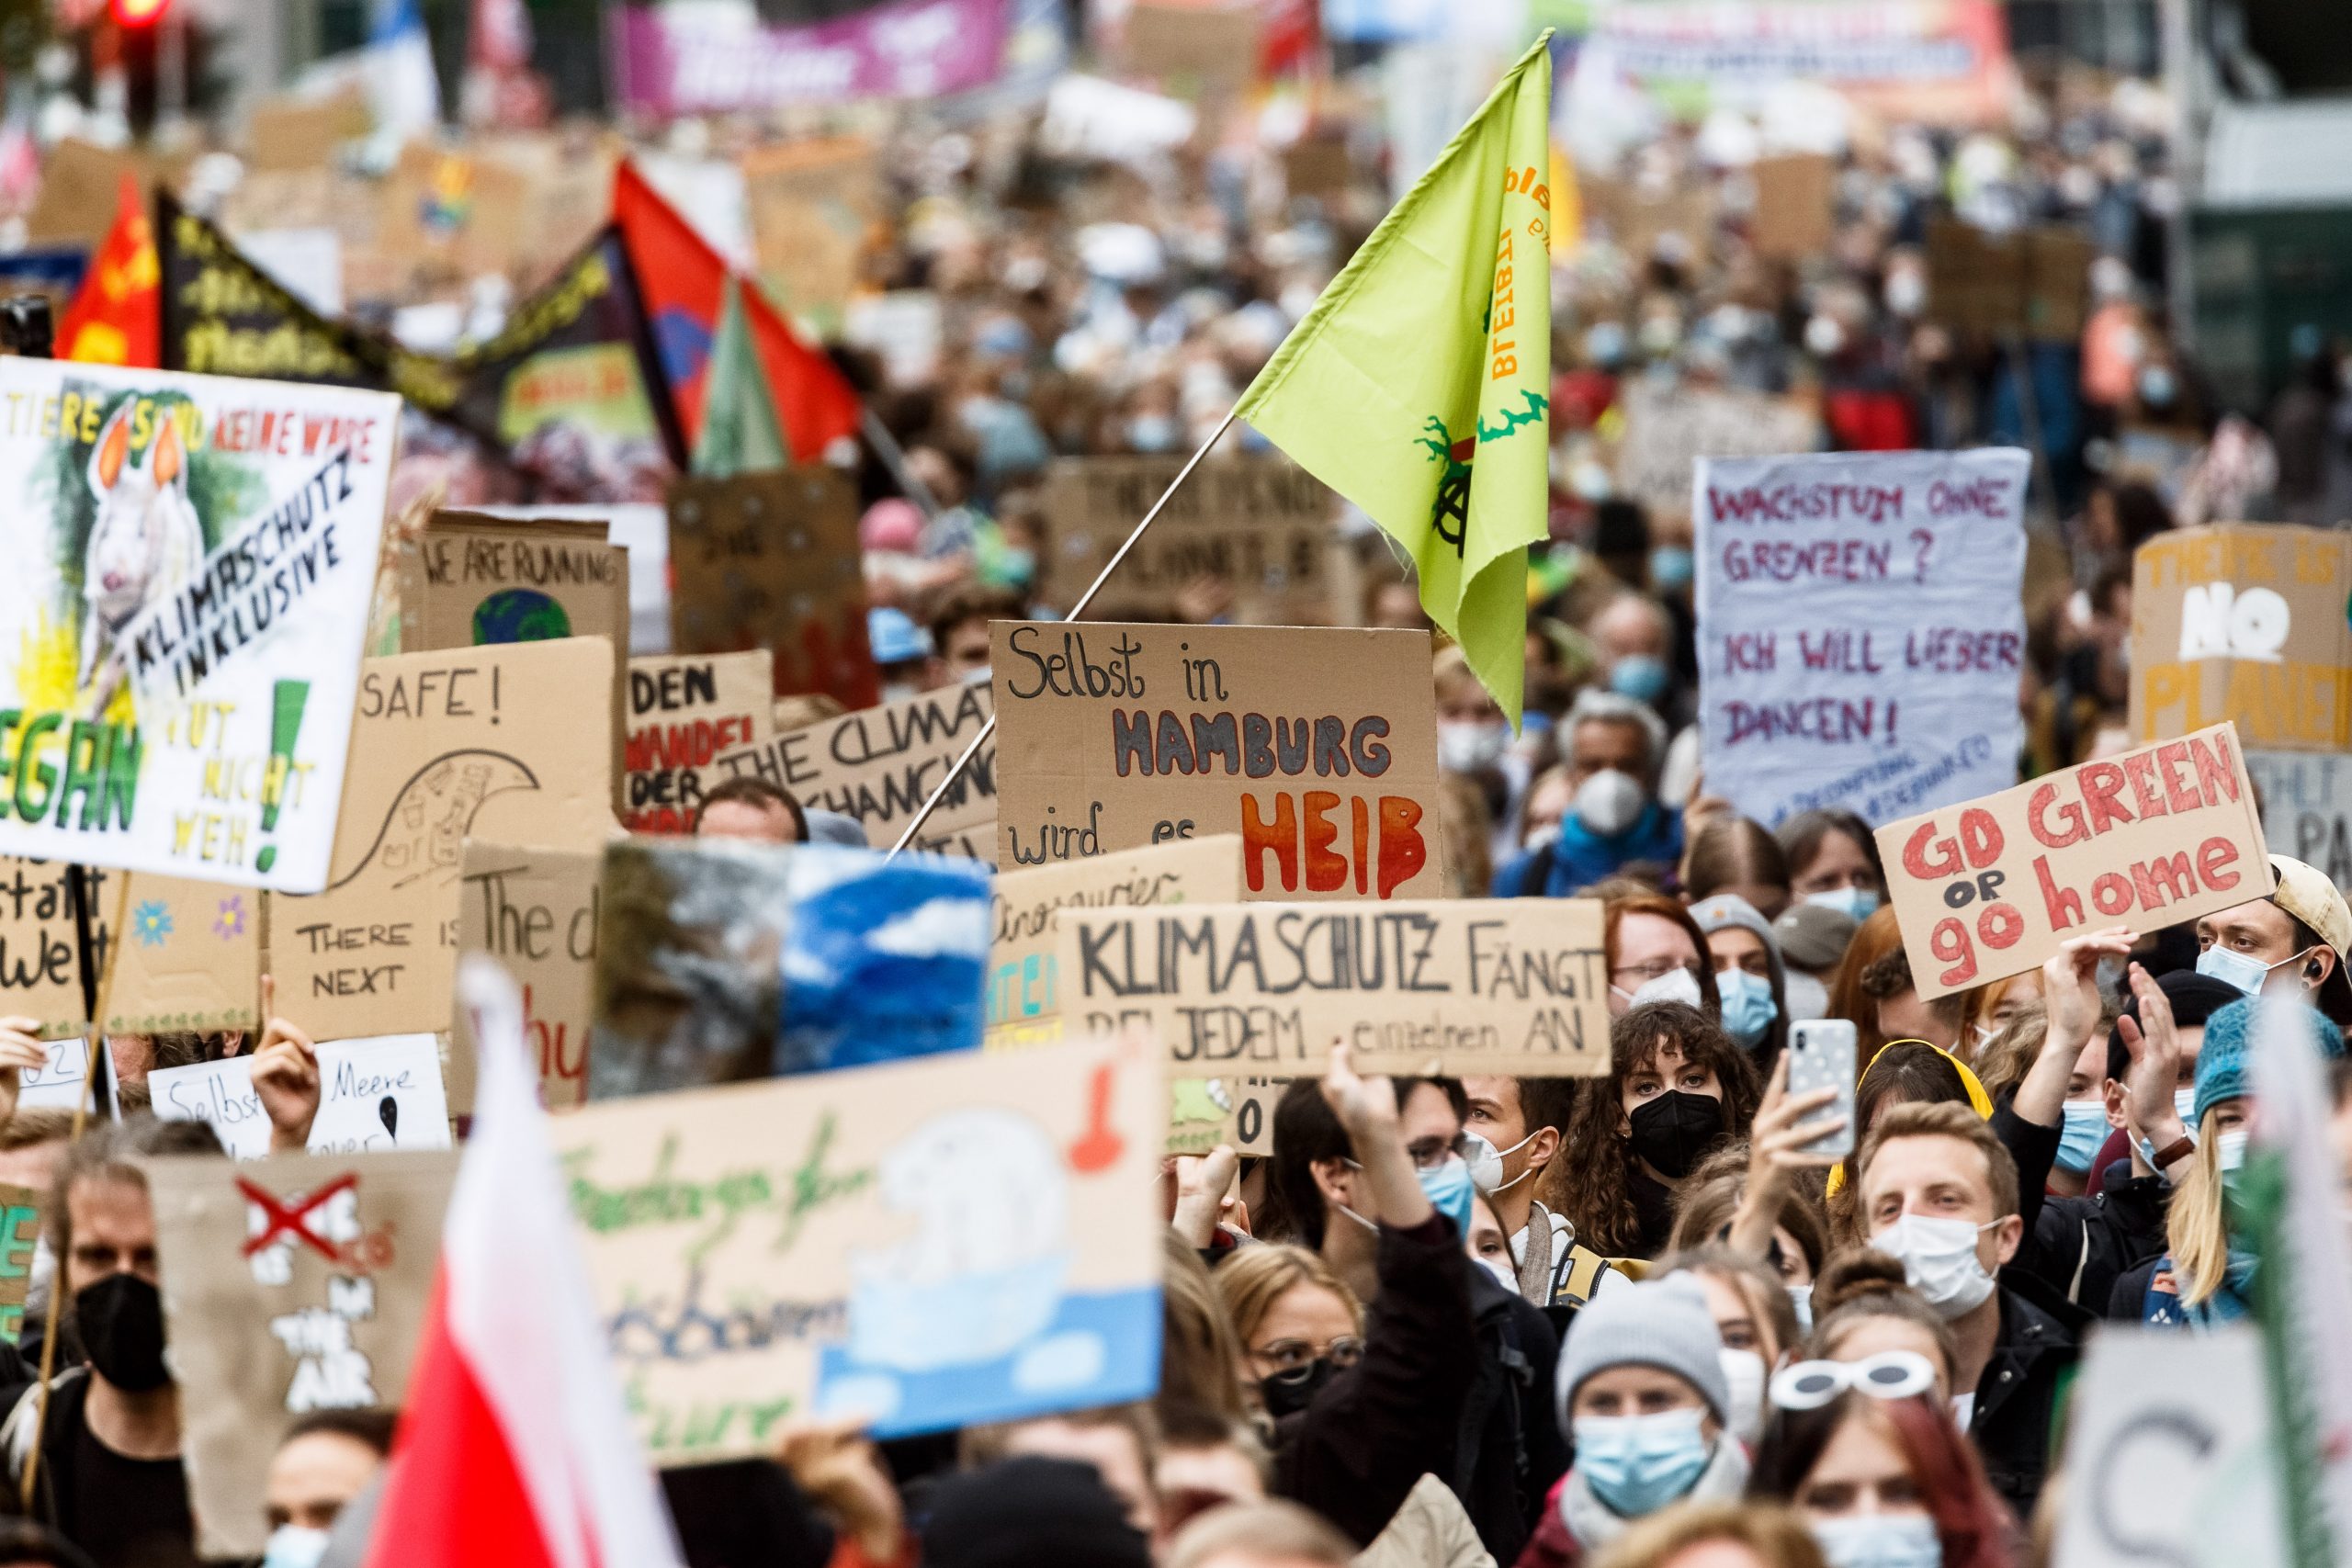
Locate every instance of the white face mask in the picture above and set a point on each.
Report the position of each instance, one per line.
(1677, 985)
(1471, 746)
(1485, 1162)
(1744, 1369)
(1938, 1259)
(293, 1546)
(1609, 802)
(1808, 998)
(1801, 1298)
(1500, 1268)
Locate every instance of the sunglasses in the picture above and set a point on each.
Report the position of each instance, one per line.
(1890, 1374)
(1294, 1363)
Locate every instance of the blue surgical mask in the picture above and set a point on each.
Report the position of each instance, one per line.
(1672, 566)
(1637, 1464)
(1450, 1192)
(2233, 969)
(1641, 676)
(2084, 1131)
(1748, 1007)
(1879, 1540)
(1857, 903)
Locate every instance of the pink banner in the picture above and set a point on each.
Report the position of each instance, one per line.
(692, 62)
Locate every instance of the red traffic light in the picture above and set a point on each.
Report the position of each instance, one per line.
(138, 12)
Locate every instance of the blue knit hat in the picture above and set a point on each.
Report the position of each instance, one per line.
(2224, 1063)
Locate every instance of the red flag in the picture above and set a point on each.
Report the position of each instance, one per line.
(683, 281)
(118, 316)
(515, 1448)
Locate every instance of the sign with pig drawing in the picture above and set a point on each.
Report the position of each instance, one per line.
(184, 590)
(919, 1246)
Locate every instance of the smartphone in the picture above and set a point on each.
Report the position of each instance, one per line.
(1821, 1055)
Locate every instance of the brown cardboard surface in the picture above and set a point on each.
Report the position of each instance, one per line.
(880, 764)
(1211, 42)
(1318, 747)
(1794, 197)
(684, 709)
(912, 1189)
(324, 1314)
(2153, 838)
(2243, 622)
(81, 187)
(812, 204)
(493, 743)
(771, 560)
(1637, 217)
(191, 959)
(288, 133)
(1263, 524)
(2035, 284)
(1420, 987)
(1023, 1005)
(469, 580)
(1316, 165)
(452, 214)
(534, 911)
(41, 957)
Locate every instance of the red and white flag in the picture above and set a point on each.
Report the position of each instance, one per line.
(515, 1449)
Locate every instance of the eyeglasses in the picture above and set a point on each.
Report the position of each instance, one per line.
(1655, 968)
(1890, 1374)
(1292, 1360)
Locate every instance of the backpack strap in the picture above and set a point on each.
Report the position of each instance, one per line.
(1586, 1268)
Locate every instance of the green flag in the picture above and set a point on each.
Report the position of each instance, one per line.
(740, 431)
(1427, 363)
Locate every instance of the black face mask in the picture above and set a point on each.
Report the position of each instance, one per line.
(120, 1320)
(1287, 1397)
(1674, 1131)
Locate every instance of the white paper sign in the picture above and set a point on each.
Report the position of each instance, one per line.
(60, 1080)
(1860, 631)
(378, 1094)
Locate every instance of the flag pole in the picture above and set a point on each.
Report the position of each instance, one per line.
(1078, 612)
(894, 458)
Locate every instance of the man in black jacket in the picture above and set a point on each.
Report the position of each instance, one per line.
(1938, 1191)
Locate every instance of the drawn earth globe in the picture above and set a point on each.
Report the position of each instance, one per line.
(519, 614)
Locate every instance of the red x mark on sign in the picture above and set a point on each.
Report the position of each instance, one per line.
(291, 1217)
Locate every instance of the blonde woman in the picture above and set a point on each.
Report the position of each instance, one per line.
(2206, 1276)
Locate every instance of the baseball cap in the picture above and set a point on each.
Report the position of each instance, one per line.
(2306, 893)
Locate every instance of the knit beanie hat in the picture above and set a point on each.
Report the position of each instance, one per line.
(1664, 1323)
(1814, 937)
(2225, 1061)
(1724, 911)
(1030, 1512)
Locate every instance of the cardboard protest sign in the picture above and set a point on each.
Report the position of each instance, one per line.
(2033, 283)
(2153, 838)
(186, 588)
(63, 1081)
(1860, 629)
(40, 954)
(285, 132)
(812, 206)
(534, 911)
(1211, 42)
(771, 560)
(1205, 1113)
(20, 1232)
(880, 764)
(469, 580)
(1795, 197)
(1024, 1006)
(925, 1245)
(884, 957)
(2306, 809)
(1318, 747)
(1265, 526)
(493, 743)
(2171, 1439)
(374, 1095)
(2243, 622)
(1419, 986)
(1667, 429)
(294, 1285)
(683, 710)
(689, 977)
(190, 958)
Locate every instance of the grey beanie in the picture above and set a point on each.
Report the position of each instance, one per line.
(1814, 937)
(1724, 911)
(1662, 1323)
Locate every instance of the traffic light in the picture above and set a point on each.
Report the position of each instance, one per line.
(133, 15)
